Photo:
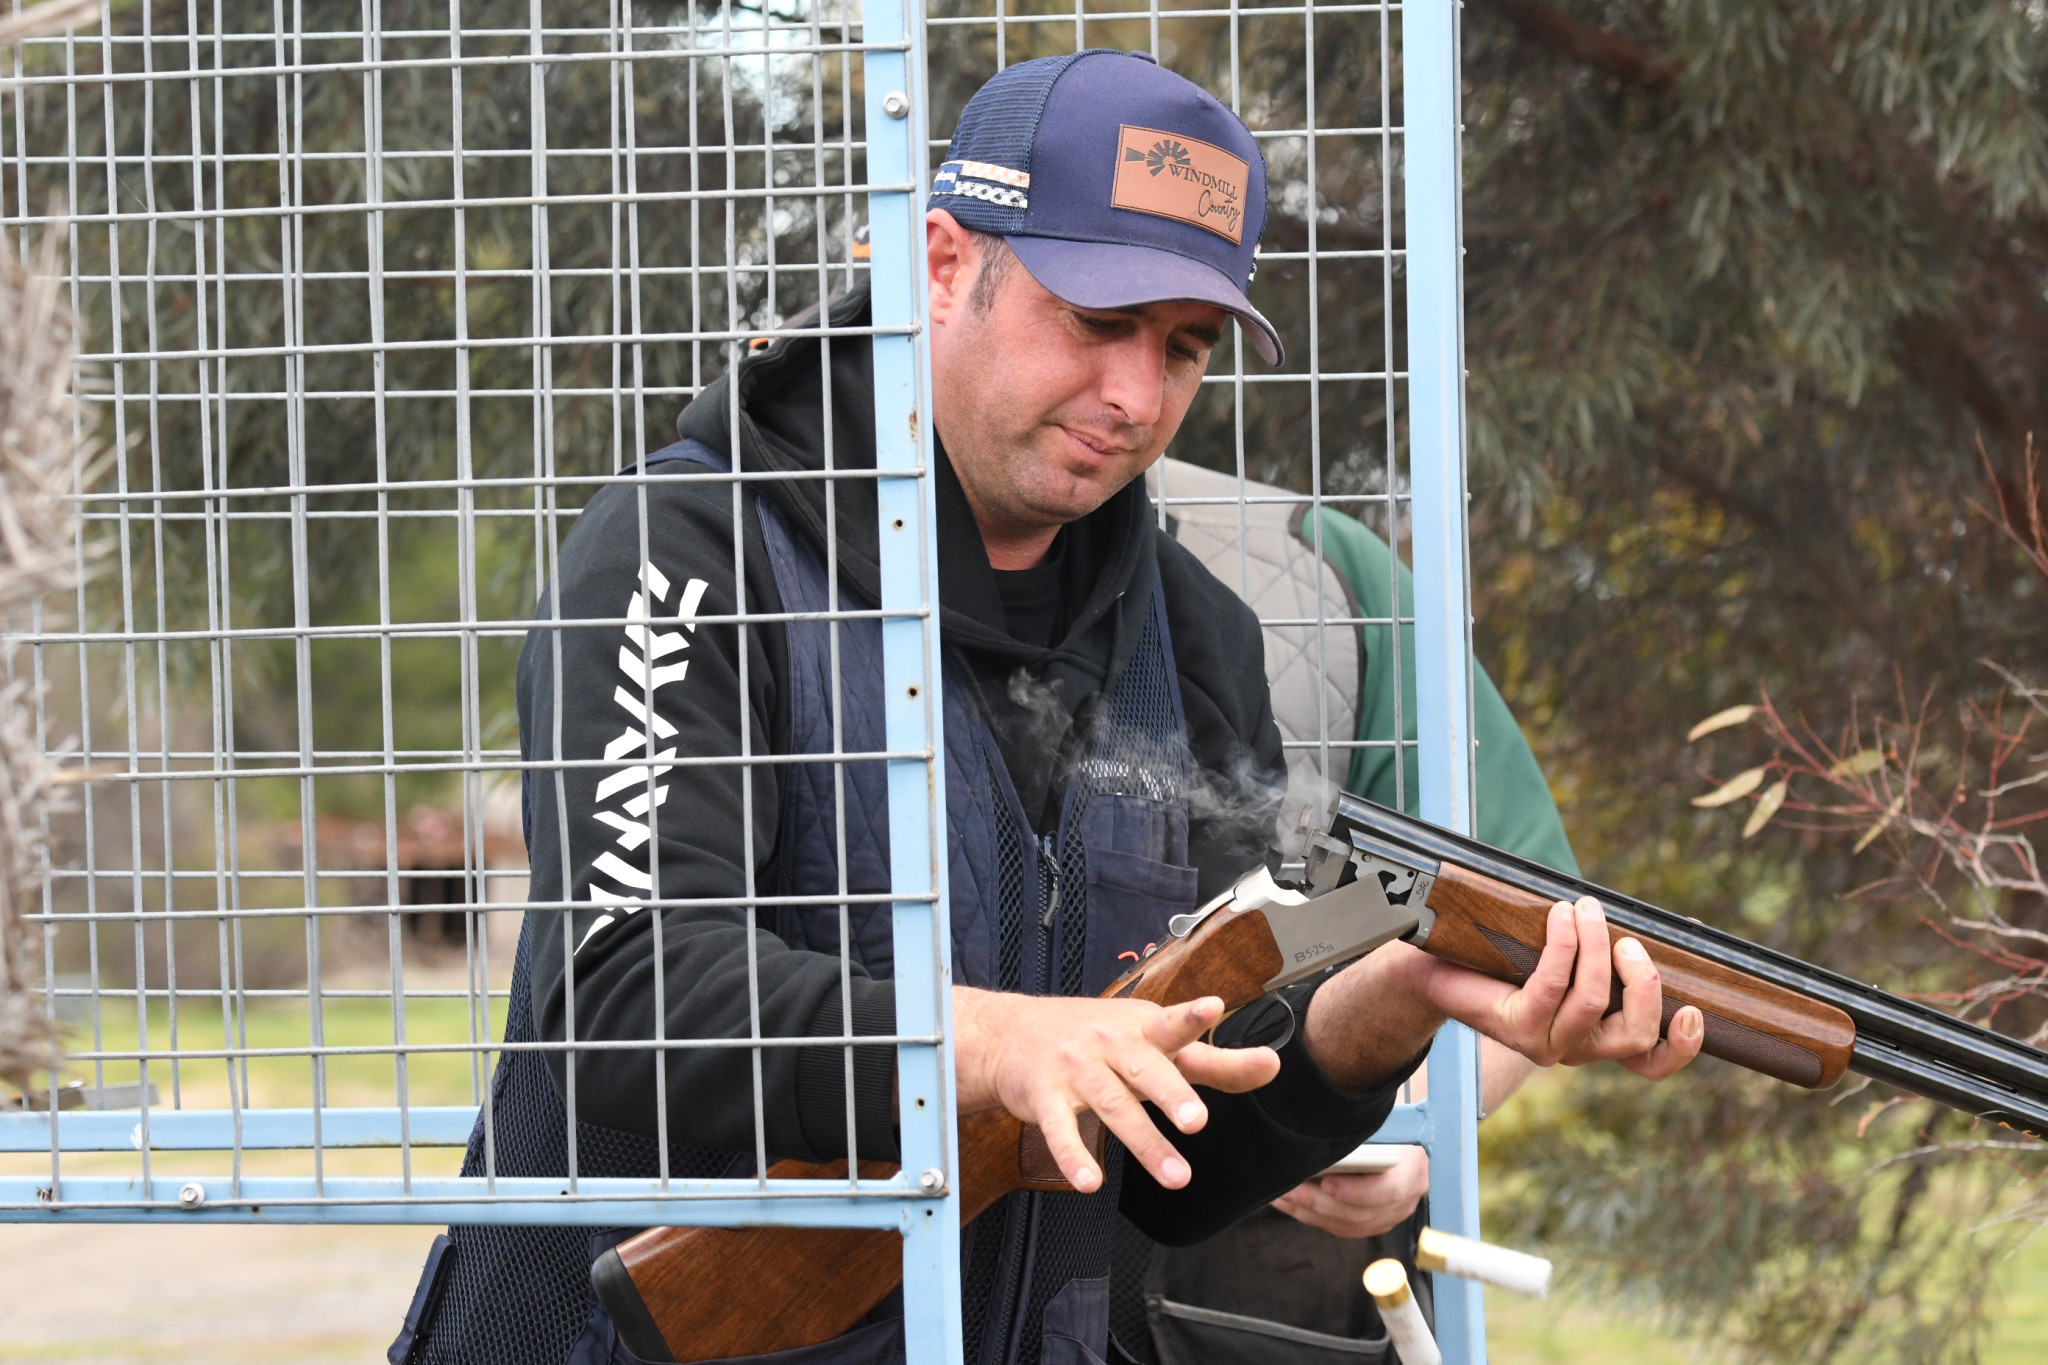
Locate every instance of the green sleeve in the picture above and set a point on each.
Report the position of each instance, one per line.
(1514, 804)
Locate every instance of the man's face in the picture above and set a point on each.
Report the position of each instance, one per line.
(1046, 410)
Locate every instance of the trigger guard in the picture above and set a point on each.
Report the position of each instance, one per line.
(1292, 1023)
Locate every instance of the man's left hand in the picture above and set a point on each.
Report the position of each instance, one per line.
(1372, 1017)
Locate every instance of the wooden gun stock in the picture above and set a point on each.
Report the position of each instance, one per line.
(1498, 929)
(698, 1294)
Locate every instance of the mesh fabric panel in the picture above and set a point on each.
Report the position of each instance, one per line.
(1140, 749)
(1074, 1234)
(1073, 916)
(999, 126)
(1011, 912)
(1130, 1261)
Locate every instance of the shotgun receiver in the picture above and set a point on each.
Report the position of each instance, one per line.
(1374, 875)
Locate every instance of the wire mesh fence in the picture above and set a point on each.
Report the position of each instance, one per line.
(375, 298)
(352, 419)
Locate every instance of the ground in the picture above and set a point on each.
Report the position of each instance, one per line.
(223, 1295)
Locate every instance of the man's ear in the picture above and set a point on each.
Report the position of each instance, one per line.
(952, 258)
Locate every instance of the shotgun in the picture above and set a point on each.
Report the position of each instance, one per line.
(1372, 876)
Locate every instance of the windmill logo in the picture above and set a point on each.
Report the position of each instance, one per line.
(1164, 152)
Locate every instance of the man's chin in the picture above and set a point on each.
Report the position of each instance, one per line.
(1080, 495)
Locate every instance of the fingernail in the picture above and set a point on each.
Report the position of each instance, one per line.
(1174, 1173)
(1086, 1178)
(1595, 911)
(1189, 1114)
(1695, 1023)
(1631, 949)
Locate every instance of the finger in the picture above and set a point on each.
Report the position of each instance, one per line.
(1635, 1029)
(1670, 1056)
(1353, 1191)
(1174, 1027)
(1585, 1004)
(1156, 1077)
(1302, 1213)
(1233, 1070)
(1062, 1134)
(1311, 1199)
(1314, 1204)
(1120, 1112)
(1544, 991)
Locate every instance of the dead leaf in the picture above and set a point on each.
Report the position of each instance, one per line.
(1734, 789)
(1721, 720)
(1766, 806)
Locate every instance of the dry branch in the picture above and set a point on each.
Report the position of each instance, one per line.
(41, 450)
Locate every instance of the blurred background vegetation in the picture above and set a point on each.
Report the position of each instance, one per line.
(1757, 335)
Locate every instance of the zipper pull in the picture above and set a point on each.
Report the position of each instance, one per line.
(1052, 900)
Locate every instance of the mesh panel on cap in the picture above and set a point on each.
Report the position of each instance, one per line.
(999, 126)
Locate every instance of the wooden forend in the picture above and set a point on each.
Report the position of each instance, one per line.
(1499, 929)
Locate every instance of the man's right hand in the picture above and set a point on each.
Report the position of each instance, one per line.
(1047, 1058)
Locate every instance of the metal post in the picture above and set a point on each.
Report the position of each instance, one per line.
(1443, 662)
(909, 563)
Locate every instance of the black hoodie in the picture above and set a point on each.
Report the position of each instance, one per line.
(667, 535)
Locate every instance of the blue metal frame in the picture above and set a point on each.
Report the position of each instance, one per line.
(897, 140)
(1443, 658)
(252, 1130)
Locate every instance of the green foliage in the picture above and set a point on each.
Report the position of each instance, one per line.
(1752, 1217)
(1748, 284)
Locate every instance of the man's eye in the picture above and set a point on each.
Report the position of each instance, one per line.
(1100, 326)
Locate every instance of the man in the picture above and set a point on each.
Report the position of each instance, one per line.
(1251, 1292)
(1097, 682)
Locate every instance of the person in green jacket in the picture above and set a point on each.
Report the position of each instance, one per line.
(1284, 1284)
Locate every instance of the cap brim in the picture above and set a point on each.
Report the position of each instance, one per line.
(1114, 275)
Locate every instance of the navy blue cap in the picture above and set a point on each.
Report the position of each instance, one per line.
(1116, 182)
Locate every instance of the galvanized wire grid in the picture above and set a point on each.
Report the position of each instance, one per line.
(354, 421)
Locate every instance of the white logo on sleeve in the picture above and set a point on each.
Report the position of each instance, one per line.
(649, 661)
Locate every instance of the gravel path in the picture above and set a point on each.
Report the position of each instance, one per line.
(223, 1295)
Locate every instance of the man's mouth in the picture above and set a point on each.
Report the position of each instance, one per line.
(1101, 447)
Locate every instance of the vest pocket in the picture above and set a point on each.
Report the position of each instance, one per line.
(1076, 1323)
(1187, 1335)
(1130, 900)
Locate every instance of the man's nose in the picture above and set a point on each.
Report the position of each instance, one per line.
(1135, 380)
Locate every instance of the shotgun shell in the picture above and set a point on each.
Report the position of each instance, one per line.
(1387, 1282)
(1472, 1260)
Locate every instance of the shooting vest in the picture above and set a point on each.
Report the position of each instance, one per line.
(1042, 916)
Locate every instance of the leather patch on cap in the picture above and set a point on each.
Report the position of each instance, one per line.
(1180, 177)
